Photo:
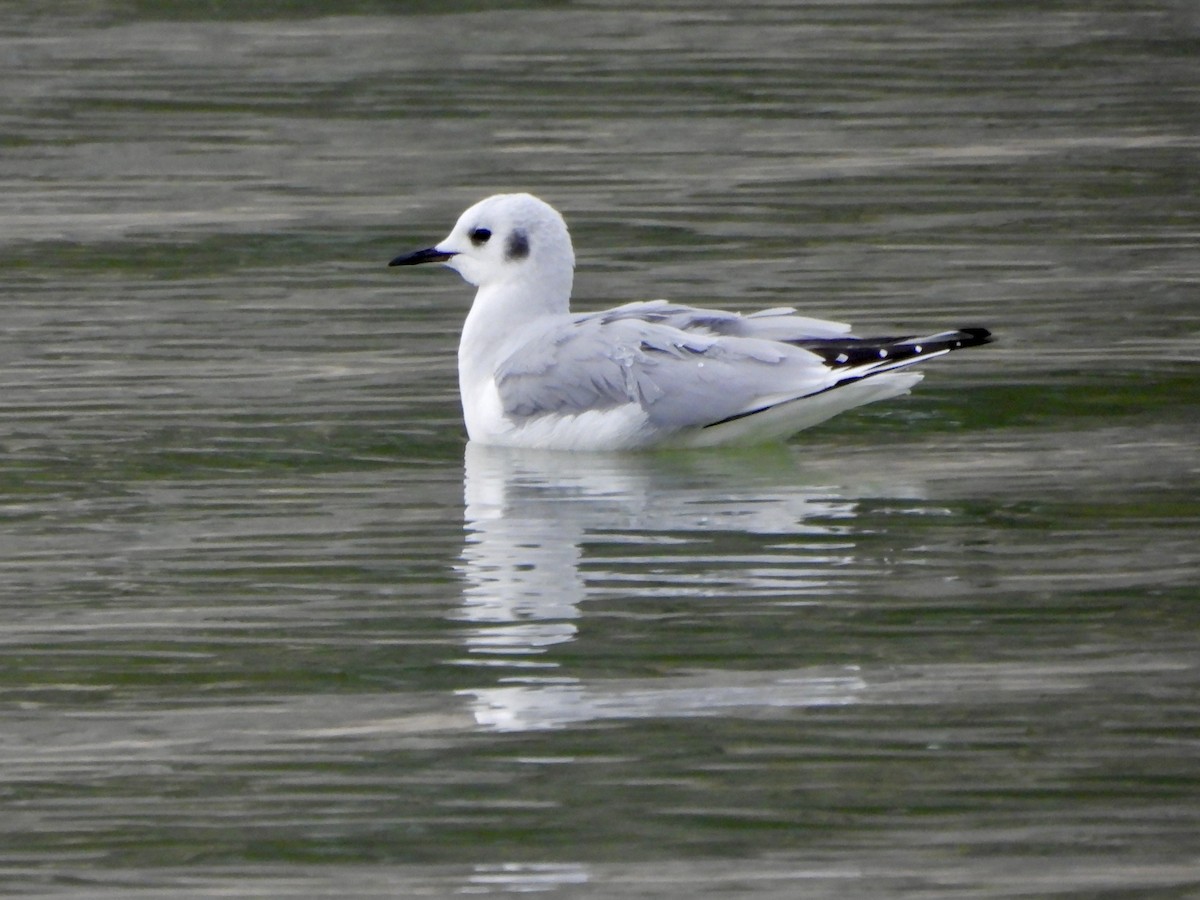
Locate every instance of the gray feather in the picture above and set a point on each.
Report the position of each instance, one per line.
(680, 376)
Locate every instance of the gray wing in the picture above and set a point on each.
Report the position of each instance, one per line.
(778, 324)
(694, 377)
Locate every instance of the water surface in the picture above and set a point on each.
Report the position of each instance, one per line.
(274, 630)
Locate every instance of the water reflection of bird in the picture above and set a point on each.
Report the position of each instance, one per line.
(549, 533)
(533, 374)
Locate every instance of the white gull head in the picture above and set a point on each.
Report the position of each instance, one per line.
(514, 241)
(532, 374)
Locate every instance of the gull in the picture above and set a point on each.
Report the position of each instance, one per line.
(646, 374)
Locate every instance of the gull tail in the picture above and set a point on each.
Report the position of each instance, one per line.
(855, 362)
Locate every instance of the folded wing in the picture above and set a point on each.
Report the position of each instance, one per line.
(692, 368)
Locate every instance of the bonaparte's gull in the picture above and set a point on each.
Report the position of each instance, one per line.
(646, 374)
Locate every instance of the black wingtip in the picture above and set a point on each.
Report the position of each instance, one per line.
(976, 336)
(853, 353)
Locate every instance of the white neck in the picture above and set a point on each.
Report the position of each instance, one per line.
(497, 322)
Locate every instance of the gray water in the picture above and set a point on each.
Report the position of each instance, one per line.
(271, 629)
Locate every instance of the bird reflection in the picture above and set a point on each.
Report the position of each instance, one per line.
(530, 516)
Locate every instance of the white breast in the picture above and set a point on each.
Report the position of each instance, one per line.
(621, 428)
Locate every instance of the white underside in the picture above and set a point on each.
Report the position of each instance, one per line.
(628, 427)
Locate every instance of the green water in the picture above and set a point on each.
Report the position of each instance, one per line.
(274, 630)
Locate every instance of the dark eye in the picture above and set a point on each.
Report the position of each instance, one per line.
(480, 236)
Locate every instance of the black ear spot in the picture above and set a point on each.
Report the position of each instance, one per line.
(518, 245)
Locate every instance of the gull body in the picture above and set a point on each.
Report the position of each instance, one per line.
(646, 374)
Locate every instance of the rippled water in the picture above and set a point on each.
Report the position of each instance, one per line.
(273, 630)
